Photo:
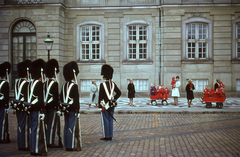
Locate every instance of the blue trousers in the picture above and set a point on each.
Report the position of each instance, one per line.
(51, 124)
(3, 124)
(22, 129)
(34, 135)
(69, 130)
(107, 123)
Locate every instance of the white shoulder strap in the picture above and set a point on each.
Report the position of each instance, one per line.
(2, 83)
(31, 89)
(65, 98)
(18, 92)
(48, 90)
(106, 90)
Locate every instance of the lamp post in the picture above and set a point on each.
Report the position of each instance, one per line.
(49, 43)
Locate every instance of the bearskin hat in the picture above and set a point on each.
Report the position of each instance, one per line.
(36, 67)
(50, 68)
(3, 67)
(107, 71)
(68, 70)
(22, 68)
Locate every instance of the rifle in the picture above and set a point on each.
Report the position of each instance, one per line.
(43, 138)
(78, 134)
(60, 144)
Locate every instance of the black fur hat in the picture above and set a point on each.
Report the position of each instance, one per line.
(68, 70)
(3, 67)
(107, 71)
(50, 68)
(36, 67)
(22, 68)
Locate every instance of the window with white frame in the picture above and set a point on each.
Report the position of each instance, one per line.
(90, 39)
(85, 85)
(140, 85)
(236, 40)
(199, 84)
(137, 40)
(197, 39)
(238, 85)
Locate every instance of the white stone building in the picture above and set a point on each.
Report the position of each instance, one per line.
(149, 41)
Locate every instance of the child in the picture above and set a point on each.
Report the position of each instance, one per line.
(173, 82)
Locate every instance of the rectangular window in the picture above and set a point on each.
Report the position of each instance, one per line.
(238, 85)
(85, 85)
(197, 35)
(137, 42)
(140, 85)
(199, 85)
(238, 41)
(90, 48)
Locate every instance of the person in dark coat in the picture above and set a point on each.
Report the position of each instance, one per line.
(69, 95)
(21, 94)
(52, 101)
(189, 89)
(5, 69)
(36, 118)
(107, 96)
(131, 92)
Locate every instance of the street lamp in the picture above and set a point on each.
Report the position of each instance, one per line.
(49, 43)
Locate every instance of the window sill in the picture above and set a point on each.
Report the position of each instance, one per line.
(197, 61)
(137, 62)
(91, 62)
(236, 61)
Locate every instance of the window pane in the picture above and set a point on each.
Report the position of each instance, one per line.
(202, 31)
(142, 51)
(132, 51)
(191, 31)
(238, 85)
(17, 49)
(238, 30)
(132, 32)
(140, 85)
(95, 33)
(31, 47)
(142, 32)
(191, 50)
(202, 50)
(86, 84)
(85, 51)
(85, 33)
(238, 50)
(95, 51)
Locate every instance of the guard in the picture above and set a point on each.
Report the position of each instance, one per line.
(35, 98)
(21, 94)
(70, 99)
(51, 97)
(107, 101)
(5, 69)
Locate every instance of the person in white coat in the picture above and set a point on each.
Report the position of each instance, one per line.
(175, 91)
(93, 99)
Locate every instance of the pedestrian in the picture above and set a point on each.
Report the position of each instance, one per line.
(21, 94)
(175, 91)
(108, 98)
(93, 99)
(5, 69)
(51, 98)
(189, 89)
(69, 95)
(218, 84)
(131, 92)
(36, 119)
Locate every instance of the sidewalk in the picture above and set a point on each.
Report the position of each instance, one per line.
(143, 105)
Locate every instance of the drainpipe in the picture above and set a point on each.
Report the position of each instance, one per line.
(160, 23)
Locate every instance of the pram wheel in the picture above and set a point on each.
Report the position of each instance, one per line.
(219, 105)
(153, 102)
(208, 105)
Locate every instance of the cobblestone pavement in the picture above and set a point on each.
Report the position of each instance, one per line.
(151, 134)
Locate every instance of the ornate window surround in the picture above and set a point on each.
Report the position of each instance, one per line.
(234, 41)
(184, 40)
(101, 24)
(149, 42)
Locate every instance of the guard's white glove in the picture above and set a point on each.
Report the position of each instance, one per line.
(41, 116)
(7, 110)
(59, 113)
(78, 115)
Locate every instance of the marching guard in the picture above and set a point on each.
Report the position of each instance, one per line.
(4, 105)
(37, 137)
(107, 101)
(51, 97)
(21, 95)
(70, 105)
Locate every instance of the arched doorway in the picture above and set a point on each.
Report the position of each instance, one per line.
(23, 45)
